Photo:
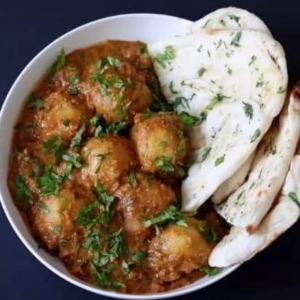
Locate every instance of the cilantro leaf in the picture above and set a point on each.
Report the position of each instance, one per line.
(169, 215)
(76, 141)
(58, 64)
(166, 56)
(22, 192)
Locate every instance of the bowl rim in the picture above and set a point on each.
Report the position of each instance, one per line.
(69, 278)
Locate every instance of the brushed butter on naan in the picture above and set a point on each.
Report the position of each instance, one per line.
(230, 18)
(248, 205)
(239, 246)
(235, 82)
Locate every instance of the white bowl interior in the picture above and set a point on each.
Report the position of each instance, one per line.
(144, 27)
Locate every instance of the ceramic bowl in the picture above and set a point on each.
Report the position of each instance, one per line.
(144, 27)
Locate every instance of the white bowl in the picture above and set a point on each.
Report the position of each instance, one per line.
(145, 27)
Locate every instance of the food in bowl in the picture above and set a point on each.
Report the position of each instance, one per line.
(105, 146)
(98, 159)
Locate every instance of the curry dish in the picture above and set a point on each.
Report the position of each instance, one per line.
(96, 167)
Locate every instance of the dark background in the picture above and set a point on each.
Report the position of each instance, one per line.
(26, 27)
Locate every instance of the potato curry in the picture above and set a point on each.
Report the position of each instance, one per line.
(96, 167)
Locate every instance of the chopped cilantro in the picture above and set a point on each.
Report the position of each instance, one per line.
(166, 56)
(187, 119)
(138, 256)
(210, 272)
(217, 99)
(206, 23)
(281, 90)
(55, 144)
(22, 192)
(253, 59)
(76, 141)
(57, 228)
(48, 182)
(105, 198)
(236, 39)
(201, 71)
(171, 88)
(220, 160)
(205, 154)
(58, 64)
(255, 135)
(72, 159)
(170, 215)
(164, 164)
(132, 178)
(294, 198)
(42, 205)
(34, 102)
(235, 18)
(203, 116)
(248, 109)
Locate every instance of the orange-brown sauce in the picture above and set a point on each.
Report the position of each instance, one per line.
(96, 171)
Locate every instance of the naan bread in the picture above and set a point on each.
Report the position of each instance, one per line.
(248, 205)
(235, 82)
(239, 246)
(230, 18)
(234, 182)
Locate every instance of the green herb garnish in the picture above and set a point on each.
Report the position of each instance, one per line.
(236, 39)
(76, 141)
(187, 119)
(170, 215)
(205, 154)
(58, 64)
(210, 272)
(294, 198)
(55, 144)
(220, 160)
(201, 72)
(166, 56)
(248, 109)
(235, 18)
(171, 88)
(255, 136)
(164, 164)
(48, 182)
(132, 178)
(34, 102)
(22, 192)
(42, 205)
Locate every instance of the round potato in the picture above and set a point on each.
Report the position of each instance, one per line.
(141, 197)
(177, 250)
(160, 143)
(117, 93)
(54, 217)
(61, 116)
(105, 161)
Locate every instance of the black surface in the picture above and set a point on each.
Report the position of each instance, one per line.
(26, 27)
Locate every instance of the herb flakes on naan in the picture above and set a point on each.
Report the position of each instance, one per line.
(239, 246)
(248, 205)
(234, 82)
(230, 18)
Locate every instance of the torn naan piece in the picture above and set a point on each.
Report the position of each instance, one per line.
(199, 71)
(248, 205)
(233, 183)
(230, 18)
(236, 139)
(234, 82)
(239, 246)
